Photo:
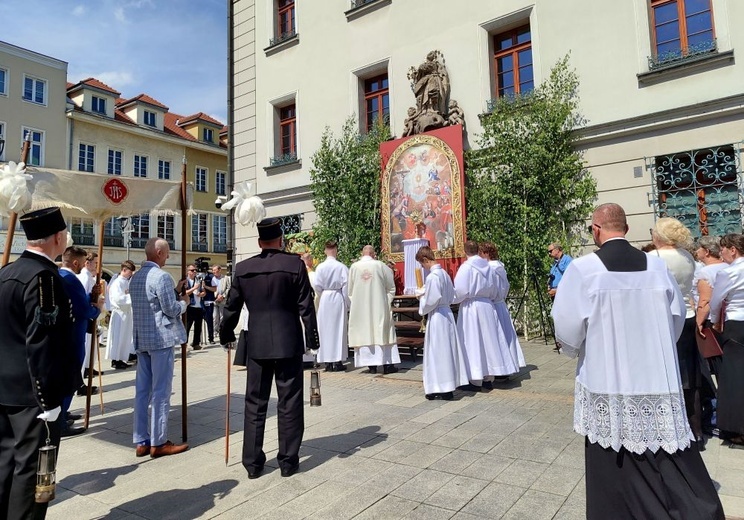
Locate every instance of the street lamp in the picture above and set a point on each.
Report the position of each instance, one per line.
(126, 232)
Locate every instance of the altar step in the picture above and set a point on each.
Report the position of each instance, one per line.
(408, 326)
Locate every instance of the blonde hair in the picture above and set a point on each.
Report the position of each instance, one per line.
(670, 231)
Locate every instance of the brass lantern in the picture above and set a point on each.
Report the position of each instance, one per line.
(46, 473)
(315, 387)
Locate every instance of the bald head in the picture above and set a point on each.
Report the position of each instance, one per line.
(157, 250)
(368, 250)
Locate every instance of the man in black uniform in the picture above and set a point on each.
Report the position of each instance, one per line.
(39, 360)
(277, 293)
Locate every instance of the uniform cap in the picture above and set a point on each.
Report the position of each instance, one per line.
(42, 223)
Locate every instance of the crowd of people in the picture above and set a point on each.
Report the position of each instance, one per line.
(645, 396)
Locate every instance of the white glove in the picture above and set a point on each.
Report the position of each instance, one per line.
(50, 415)
(420, 292)
(312, 352)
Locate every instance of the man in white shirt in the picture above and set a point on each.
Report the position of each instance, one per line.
(331, 290)
(620, 311)
(219, 299)
(194, 289)
(371, 327)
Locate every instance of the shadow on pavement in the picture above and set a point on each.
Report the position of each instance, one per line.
(341, 445)
(92, 482)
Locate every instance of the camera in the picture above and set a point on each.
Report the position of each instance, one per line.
(220, 201)
(202, 265)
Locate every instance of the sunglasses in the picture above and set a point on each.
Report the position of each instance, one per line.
(551, 250)
(592, 225)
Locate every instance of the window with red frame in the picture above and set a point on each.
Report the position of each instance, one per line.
(288, 130)
(513, 59)
(376, 100)
(680, 26)
(285, 16)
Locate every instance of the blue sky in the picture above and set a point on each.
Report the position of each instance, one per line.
(173, 50)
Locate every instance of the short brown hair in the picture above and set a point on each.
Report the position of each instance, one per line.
(331, 244)
(424, 253)
(90, 256)
(72, 253)
(128, 264)
(489, 249)
(471, 247)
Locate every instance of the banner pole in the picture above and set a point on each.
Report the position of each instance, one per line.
(184, 352)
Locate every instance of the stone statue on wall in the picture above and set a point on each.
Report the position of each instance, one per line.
(431, 87)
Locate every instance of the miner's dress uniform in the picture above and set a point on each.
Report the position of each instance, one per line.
(38, 368)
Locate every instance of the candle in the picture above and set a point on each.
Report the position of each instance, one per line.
(419, 278)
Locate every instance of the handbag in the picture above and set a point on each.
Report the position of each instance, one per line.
(708, 345)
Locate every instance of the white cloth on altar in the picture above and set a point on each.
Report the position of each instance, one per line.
(444, 364)
(503, 316)
(624, 327)
(331, 290)
(371, 291)
(410, 264)
(119, 344)
(376, 355)
(476, 285)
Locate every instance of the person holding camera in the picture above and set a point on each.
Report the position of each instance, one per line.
(193, 287)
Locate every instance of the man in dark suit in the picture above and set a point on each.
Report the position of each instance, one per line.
(276, 290)
(39, 359)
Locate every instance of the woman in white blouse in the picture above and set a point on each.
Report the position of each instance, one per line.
(672, 239)
(728, 288)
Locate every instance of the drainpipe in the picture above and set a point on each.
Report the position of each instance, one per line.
(230, 132)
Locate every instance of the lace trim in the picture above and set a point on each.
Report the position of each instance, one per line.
(635, 422)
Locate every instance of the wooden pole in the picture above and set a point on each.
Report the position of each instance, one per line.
(94, 338)
(227, 410)
(184, 352)
(13, 215)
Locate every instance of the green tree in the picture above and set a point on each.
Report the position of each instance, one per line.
(345, 181)
(527, 184)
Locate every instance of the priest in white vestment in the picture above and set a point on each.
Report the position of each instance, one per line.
(476, 286)
(331, 290)
(119, 345)
(489, 251)
(621, 311)
(371, 327)
(444, 364)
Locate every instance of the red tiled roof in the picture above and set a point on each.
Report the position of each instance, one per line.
(171, 127)
(143, 98)
(199, 116)
(69, 85)
(93, 82)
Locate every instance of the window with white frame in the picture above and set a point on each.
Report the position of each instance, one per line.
(34, 90)
(86, 156)
(166, 229)
(209, 135)
(2, 136)
(220, 187)
(36, 153)
(114, 162)
(81, 230)
(3, 82)
(163, 170)
(199, 241)
(112, 235)
(140, 230)
(219, 232)
(98, 105)
(201, 179)
(140, 166)
(149, 118)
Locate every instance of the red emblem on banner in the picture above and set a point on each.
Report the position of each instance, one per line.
(115, 191)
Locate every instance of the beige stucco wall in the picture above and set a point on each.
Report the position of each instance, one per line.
(17, 113)
(609, 44)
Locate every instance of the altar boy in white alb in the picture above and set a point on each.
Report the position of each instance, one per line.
(444, 365)
(620, 311)
(371, 327)
(331, 291)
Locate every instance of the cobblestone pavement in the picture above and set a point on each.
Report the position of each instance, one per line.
(375, 449)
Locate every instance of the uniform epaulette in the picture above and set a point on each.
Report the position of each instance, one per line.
(47, 311)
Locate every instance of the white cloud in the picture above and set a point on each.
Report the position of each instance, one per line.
(79, 10)
(119, 14)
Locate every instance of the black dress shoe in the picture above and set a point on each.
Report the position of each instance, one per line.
(83, 390)
(119, 365)
(371, 370)
(469, 388)
(255, 473)
(95, 373)
(70, 431)
(488, 385)
(432, 397)
(288, 472)
(132, 358)
(389, 369)
(329, 367)
(74, 416)
(448, 396)
(339, 367)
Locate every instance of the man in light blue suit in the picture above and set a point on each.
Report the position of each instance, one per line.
(158, 328)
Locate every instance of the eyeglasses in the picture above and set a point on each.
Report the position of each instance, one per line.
(592, 225)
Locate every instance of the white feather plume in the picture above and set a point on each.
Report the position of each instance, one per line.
(14, 193)
(248, 208)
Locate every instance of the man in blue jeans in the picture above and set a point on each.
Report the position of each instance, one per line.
(158, 328)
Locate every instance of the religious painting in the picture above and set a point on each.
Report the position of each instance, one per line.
(422, 192)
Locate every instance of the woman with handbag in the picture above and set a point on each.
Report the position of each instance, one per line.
(728, 288)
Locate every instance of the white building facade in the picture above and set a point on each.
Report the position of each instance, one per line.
(659, 87)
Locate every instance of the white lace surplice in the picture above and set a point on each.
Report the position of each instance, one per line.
(628, 391)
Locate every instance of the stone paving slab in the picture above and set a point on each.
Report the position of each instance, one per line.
(375, 449)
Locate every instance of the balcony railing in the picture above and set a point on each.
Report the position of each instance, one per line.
(283, 159)
(678, 57)
(282, 38)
